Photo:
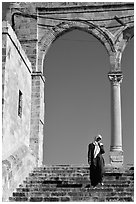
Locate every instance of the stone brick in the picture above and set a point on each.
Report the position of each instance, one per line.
(36, 199)
(19, 194)
(126, 199)
(58, 194)
(51, 199)
(4, 51)
(23, 189)
(64, 199)
(20, 199)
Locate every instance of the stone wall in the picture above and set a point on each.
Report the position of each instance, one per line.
(37, 116)
(16, 109)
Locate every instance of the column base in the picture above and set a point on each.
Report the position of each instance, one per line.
(116, 158)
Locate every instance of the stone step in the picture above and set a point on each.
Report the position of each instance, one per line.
(85, 183)
(63, 189)
(122, 182)
(122, 176)
(63, 199)
(77, 172)
(83, 169)
(77, 179)
(63, 173)
(73, 197)
(66, 183)
(58, 183)
(74, 192)
(53, 187)
(49, 199)
(68, 189)
(116, 199)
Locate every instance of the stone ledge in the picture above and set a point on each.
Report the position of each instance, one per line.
(38, 73)
(7, 30)
(80, 5)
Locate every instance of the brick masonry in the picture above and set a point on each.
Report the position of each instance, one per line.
(37, 116)
(16, 70)
(23, 53)
(37, 38)
(17, 76)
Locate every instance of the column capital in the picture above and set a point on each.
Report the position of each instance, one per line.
(115, 77)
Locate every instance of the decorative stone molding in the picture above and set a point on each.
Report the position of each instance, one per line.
(116, 158)
(115, 78)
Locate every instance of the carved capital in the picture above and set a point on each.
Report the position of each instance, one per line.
(115, 77)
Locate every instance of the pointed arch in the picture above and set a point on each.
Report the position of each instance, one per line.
(51, 35)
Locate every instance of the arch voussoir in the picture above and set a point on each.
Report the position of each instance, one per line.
(103, 35)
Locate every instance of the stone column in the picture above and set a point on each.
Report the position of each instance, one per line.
(116, 152)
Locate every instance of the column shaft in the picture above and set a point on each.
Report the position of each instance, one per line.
(116, 152)
(116, 124)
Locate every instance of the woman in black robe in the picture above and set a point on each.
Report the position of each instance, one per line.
(96, 161)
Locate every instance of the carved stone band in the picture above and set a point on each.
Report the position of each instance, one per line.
(115, 77)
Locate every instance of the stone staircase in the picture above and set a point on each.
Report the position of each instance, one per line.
(71, 183)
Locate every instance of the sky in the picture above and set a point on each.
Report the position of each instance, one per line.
(77, 97)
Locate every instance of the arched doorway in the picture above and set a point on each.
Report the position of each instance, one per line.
(77, 98)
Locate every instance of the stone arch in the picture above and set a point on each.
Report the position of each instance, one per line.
(126, 34)
(102, 34)
(121, 39)
(85, 68)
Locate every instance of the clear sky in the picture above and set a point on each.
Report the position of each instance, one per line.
(77, 96)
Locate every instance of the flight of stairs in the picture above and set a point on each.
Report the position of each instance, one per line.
(70, 183)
